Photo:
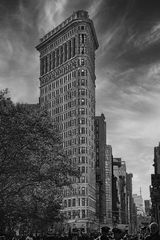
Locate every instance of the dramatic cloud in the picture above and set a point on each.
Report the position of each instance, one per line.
(127, 68)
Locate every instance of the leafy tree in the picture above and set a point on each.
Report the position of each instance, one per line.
(33, 166)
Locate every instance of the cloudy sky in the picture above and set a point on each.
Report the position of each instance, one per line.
(127, 68)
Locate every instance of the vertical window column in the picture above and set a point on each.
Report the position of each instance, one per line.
(82, 40)
(45, 69)
(53, 60)
(47, 63)
(73, 47)
(59, 51)
(79, 42)
(50, 61)
(65, 52)
(61, 54)
(76, 45)
(69, 49)
(41, 67)
(57, 57)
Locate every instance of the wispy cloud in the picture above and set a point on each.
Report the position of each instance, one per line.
(50, 15)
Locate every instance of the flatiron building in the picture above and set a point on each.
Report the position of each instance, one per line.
(67, 87)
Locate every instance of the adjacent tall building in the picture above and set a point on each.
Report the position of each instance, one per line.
(124, 210)
(115, 191)
(139, 203)
(147, 207)
(155, 187)
(108, 185)
(100, 139)
(132, 211)
(67, 88)
(119, 197)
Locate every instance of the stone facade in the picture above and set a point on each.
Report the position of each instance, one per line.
(155, 187)
(100, 139)
(67, 89)
(108, 173)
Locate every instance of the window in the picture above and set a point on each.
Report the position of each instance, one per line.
(82, 82)
(83, 159)
(83, 150)
(82, 92)
(65, 51)
(65, 203)
(42, 66)
(82, 51)
(81, 62)
(83, 213)
(83, 140)
(82, 72)
(82, 101)
(61, 54)
(74, 47)
(69, 49)
(50, 62)
(78, 213)
(83, 179)
(81, 120)
(61, 81)
(81, 111)
(86, 201)
(83, 38)
(83, 201)
(69, 202)
(57, 57)
(82, 130)
(45, 64)
(83, 190)
(74, 214)
(73, 202)
(83, 169)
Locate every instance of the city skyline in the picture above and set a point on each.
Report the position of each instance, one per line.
(127, 69)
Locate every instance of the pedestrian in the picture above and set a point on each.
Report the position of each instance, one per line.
(118, 234)
(154, 232)
(104, 233)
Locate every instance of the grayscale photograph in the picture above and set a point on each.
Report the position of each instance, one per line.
(79, 119)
